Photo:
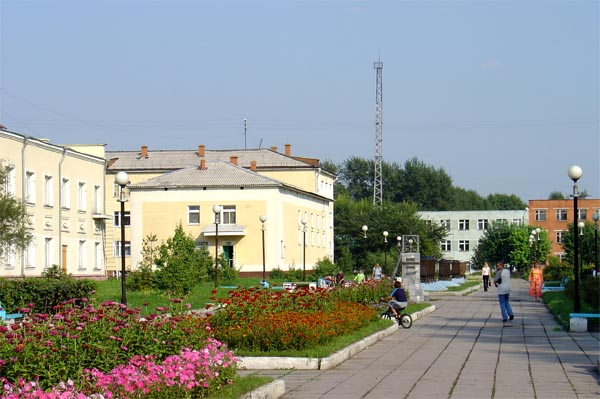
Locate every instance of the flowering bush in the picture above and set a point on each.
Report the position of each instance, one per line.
(191, 374)
(50, 347)
(265, 320)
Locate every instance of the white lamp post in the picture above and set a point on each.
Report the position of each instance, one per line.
(385, 241)
(217, 211)
(263, 219)
(304, 221)
(122, 178)
(575, 173)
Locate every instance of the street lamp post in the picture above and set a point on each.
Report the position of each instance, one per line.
(595, 217)
(580, 228)
(122, 178)
(263, 219)
(217, 211)
(364, 230)
(304, 249)
(575, 173)
(385, 241)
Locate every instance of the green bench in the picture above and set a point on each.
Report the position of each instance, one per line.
(555, 285)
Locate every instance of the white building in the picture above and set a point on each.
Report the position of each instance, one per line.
(465, 228)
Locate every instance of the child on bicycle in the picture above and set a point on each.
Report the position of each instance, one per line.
(397, 299)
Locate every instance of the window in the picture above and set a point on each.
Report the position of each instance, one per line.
(30, 187)
(446, 246)
(48, 258)
(193, 214)
(540, 215)
(559, 237)
(502, 221)
(82, 254)
(126, 219)
(66, 193)
(48, 191)
(10, 185)
(582, 214)
(463, 245)
(29, 255)
(463, 224)
(81, 196)
(98, 255)
(97, 205)
(228, 214)
(561, 214)
(201, 245)
(482, 224)
(117, 249)
(517, 222)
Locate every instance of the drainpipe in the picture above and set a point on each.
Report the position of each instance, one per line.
(60, 194)
(23, 173)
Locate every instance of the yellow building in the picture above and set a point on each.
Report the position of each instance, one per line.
(171, 187)
(63, 191)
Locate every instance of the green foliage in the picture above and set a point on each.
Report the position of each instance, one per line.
(42, 293)
(586, 242)
(509, 243)
(180, 265)
(556, 270)
(557, 195)
(14, 233)
(277, 274)
(54, 271)
(143, 278)
(325, 267)
(590, 292)
(426, 186)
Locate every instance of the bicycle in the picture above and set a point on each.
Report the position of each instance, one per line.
(404, 320)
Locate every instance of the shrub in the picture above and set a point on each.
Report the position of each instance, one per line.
(325, 267)
(277, 274)
(556, 270)
(590, 292)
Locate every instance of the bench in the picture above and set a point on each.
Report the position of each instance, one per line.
(9, 317)
(578, 322)
(555, 285)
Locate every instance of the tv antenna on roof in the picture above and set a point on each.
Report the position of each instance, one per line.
(245, 129)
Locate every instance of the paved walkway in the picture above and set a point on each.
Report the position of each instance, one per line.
(462, 351)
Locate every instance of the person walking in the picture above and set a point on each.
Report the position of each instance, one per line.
(536, 280)
(485, 273)
(376, 275)
(502, 282)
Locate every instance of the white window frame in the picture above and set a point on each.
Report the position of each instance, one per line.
(463, 245)
(30, 187)
(446, 246)
(445, 223)
(117, 249)
(540, 215)
(66, 193)
(562, 215)
(98, 256)
(463, 224)
(582, 214)
(559, 235)
(48, 190)
(97, 205)
(117, 218)
(29, 255)
(228, 214)
(82, 263)
(193, 211)
(48, 253)
(81, 196)
(482, 224)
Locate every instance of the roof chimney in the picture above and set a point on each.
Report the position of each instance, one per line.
(253, 166)
(144, 153)
(274, 148)
(201, 150)
(288, 150)
(202, 164)
(233, 159)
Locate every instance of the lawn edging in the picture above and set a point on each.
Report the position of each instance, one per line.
(326, 363)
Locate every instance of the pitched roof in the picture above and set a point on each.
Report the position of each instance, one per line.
(216, 174)
(177, 159)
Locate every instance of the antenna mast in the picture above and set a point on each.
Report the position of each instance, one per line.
(245, 129)
(377, 184)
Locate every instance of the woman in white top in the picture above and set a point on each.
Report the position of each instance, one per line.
(485, 273)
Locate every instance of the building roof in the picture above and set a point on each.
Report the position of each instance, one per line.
(178, 159)
(215, 174)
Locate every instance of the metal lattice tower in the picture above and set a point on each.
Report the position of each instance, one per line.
(377, 184)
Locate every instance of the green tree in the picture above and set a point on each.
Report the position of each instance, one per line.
(14, 234)
(429, 188)
(556, 195)
(586, 243)
(180, 265)
(504, 202)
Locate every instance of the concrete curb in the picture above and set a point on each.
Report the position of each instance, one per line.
(326, 363)
(271, 390)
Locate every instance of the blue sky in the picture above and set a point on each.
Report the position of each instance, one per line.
(504, 96)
